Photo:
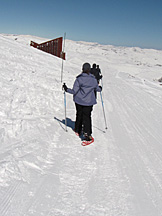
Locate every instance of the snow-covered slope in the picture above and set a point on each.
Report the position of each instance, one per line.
(43, 169)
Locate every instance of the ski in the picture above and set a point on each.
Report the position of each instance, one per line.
(85, 143)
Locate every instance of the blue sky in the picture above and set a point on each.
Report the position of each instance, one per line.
(115, 22)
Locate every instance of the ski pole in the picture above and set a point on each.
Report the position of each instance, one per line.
(62, 58)
(65, 111)
(103, 110)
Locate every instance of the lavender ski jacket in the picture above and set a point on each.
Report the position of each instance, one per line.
(83, 89)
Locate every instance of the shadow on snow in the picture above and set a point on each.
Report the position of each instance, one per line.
(70, 123)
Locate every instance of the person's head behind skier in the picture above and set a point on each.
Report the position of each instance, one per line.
(94, 65)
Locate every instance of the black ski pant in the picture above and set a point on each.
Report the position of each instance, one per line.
(83, 119)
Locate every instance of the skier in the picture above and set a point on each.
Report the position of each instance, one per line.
(84, 98)
(96, 72)
(99, 72)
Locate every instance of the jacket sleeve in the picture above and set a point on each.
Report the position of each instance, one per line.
(75, 88)
(98, 89)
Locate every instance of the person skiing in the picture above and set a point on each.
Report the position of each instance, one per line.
(96, 72)
(99, 72)
(84, 98)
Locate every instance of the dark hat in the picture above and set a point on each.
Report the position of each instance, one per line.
(94, 65)
(86, 67)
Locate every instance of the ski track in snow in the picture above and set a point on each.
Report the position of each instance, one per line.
(44, 170)
(138, 138)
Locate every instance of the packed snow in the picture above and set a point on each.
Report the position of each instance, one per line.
(44, 170)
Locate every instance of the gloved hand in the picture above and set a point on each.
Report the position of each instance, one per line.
(101, 76)
(100, 87)
(65, 87)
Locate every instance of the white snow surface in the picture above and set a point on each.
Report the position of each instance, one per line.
(44, 170)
